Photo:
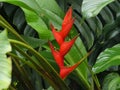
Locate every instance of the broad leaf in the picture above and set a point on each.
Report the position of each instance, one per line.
(109, 57)
(111, 82)
(91, 8)
(37, 23)
(39, 13)
(75, 54)
(5, 63)
(114, 84)
(34, 42)
(107, 15)
(86, 33)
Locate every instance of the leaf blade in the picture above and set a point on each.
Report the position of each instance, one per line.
(91, 8)
(107, 58)
(5, 63)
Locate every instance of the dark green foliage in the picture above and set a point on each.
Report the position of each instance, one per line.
(97, 33)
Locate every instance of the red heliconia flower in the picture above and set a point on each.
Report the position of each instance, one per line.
(65, 71)
(66, 46)
(68, 17)
(57, 35)
(66, 26)
(57, 56)
(67, 23)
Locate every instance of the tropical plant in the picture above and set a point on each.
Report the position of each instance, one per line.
(39, 50)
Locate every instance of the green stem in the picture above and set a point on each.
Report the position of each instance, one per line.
(37, 68)
(27, 56)
(5, 24)
(11, 88)
(26, 80)
(94, 78)
(83, 60)
(82, 20)
(56, 81)
(33, 61)
(96, 81)
(82, 78)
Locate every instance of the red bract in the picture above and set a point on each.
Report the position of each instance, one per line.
(65, 46)
(66, 26)
(64, 71)
(67, 23)
(66, 29)
(57, 56)
(67, 17)
(57, 35)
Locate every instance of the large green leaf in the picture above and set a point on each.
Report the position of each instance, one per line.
(96, 25)
(109, 57)
(37, 23)
(5, 63)
(91, 8)
(114, 84)
(111, 82)
(73, 57)
(39, 18)
(107, 15)
(77, 52)
(37, 11)
(34, 42)
(86, 33)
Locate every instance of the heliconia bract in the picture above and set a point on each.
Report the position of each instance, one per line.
(65, 46)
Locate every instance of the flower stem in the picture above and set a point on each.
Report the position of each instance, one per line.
(5, 24)
(94, 78)
(53, 77)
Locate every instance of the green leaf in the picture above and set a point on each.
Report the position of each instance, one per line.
(75, 54)
(50, 5)
(37, 23)
(109, 57)
(37, 11)
(5, 63)
(86, 33)
(50, 88)
(107, 15)
(4, 43)
(34, 42)
(114, 84)
(111, 82)
(91, 8)
(96, 25)
(48, 56)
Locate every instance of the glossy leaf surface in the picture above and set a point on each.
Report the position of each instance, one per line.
(91, 8)
(5, 63)
(111, 82)
(109, 57)
(36, 13)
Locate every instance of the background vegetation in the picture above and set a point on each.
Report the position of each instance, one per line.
(26, 62)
